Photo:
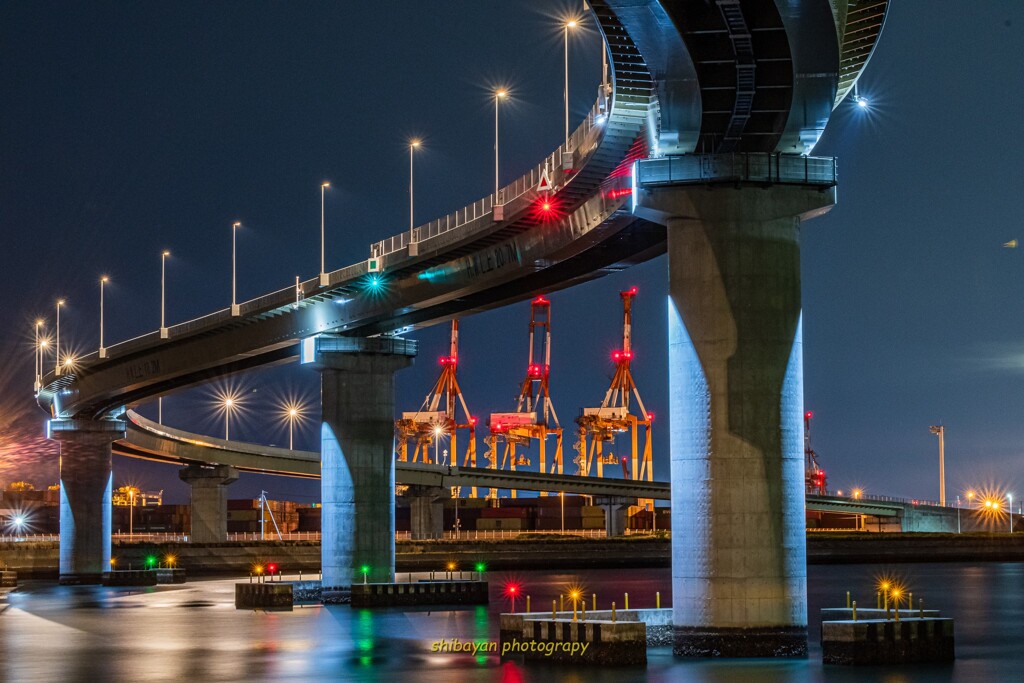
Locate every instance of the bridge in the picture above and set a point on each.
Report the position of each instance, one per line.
(696, 146)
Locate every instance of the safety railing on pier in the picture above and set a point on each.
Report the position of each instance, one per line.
(738, 167)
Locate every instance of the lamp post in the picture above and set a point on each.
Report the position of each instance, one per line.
(37, 353)
(103, 281)
(324, 281)
(163, 292)
(498, 96)
(958, 513)
(293, 414)
(437, 442)
(234, 263)
(941, 432)
(131, 512)
(413, 145)
(1009, 498)
(56, 346)
(561, 495)
(970, 499)
(229, 404)
(568, 25)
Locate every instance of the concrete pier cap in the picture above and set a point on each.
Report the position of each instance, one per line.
(357, 442)
(209, 500)
(86, 478)
(739, 572)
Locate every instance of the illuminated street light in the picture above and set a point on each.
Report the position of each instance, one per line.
(499, 95)
(234, 263)
(438, 431)
(103, 281)
(56, 347)
(857, 493)
(413, 145)
(38, 356)
(568, 25)
(1009, 498)
(861, 102)
(324, 281)
(229, 405)
(970, 499)
(292, 412)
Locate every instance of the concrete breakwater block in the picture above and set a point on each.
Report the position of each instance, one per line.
(878, 641)
(170, 575)
(273, 596)
(591, 642)
(131, 577)
(8, 579)
(420, 593)
(658, 622)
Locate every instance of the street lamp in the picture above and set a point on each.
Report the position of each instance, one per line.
(941, 432)
(56, 347)
(103, 281)
(234, 262)
(970, 499)
(499, 95)
(1009, 498)
(163, 292)
(958, 513)
(413, 145)
(568, 25)
(293, 412)
(38, 356)
(438, 431)
(229, 405)
(324, 280)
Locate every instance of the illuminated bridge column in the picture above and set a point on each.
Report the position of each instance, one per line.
(209, 501)
(357, 467)
(85, 485)
(739, 571)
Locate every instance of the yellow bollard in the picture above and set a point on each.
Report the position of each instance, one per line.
(657, 600)
(527, 604)
(847, 599)
(554, 614)
(855, 610)
(910, 604)
(574, 610)
(595, 601)
(627, 601)
(613, 611)
(561, 602)
(878, 599)
(583, 609)
(885, 601)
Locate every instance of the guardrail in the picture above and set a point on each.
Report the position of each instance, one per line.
(740, 167)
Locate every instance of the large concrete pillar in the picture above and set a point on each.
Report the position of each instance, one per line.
(85, 484)
(615, 513)
(426, 511)
(739, 572)
(209, 488)
(357, 457)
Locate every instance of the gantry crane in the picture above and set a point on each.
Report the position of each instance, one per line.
(815, 482)
(598, 426)
(436, 419)
(534, 417)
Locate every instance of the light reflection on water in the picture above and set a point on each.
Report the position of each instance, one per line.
(194, 633)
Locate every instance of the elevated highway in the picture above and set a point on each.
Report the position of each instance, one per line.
(696, 146)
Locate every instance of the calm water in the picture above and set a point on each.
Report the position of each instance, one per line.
(193, 633)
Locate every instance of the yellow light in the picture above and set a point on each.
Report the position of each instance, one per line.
(38, 323)
(438, 431)
(68, 361)
(571, 24)
(60, 302)
(165, 253)
(229, 402)
(44, 343)
(113, 562)
(104, 279)
(170, 560)
(857, 493)
(293, 412)
(451, 566)
(325, 184)
(236, 225)
(501, 94)
(415, 142)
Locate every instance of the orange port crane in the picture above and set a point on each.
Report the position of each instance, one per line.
(534, 416)
(815, 482)
(436, 420)
(598, 426)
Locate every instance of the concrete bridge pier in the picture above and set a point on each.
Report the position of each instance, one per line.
(426, 511)
(85, 486)
(357, 442)
(615, 513)
(209, 501)
(736, 405)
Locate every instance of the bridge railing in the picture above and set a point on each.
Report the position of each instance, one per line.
(483, 207)
(738, 167)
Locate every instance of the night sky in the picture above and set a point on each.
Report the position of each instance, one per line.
(129, 128)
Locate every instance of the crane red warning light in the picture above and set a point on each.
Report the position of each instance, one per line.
(436, 419)
(598, 426)
(815, 482)
(534, 417)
